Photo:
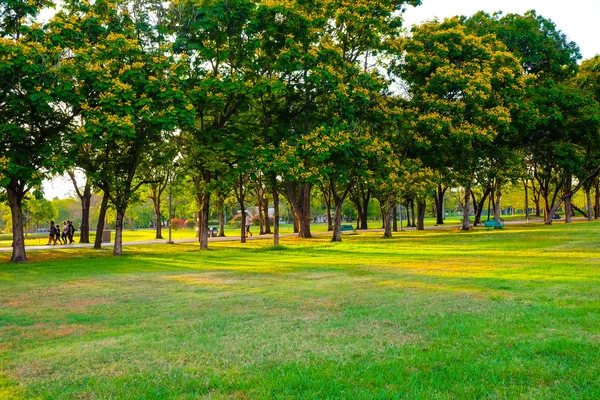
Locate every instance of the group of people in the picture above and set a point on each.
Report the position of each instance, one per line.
(58, 235)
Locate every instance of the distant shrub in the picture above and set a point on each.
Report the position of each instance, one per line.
(190, 223)
(177, 223)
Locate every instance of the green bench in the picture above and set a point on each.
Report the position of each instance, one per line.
(346, 227)
(493, 224)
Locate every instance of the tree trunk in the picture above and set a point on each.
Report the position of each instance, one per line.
(568, 208)
(478, 206)
(261, 221)
(535, 194)
(276, 215)
(86, 201)
(221, 223)
(364, 217)
(579, 210)
(266, 214)
(466, 222)
(339, 202)
(118, 247)
(407, 213)
(327, 197)
(498, 202)
(243, 230)
(156, 208)
(101, 219)
(390, 205)
(299, 196)
(526, 187)
(395, 219)
(16, 192)
(547, 210)
(421, 204)
(590, 208)
(359, 213)
(382, 208)
(203, 206)
(538, 209)
(337, 223)
(205, 216)
(439, 204)
(597, 199)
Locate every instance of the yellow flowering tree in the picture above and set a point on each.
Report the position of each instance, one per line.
(462, 89)
(126, 90)
(215, 40)
(33, 119)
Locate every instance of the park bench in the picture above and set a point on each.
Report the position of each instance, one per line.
(346, 227)
(493, 224)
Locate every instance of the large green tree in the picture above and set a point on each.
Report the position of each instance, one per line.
(218, 45)
(549, 60)
(128, 94)
(462, 88)
(33, 118)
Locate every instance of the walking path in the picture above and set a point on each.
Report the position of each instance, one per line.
(236, 238)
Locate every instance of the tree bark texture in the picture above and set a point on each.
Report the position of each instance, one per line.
(155, 197)
(86, 201)
(118, 245)
(203, 206)
(466, 222)
(338, 199)
(498, 201)
(439, 204)
(597, 198)
(265, 205)
(421, 205)
(389, 208)
(16, 191)
(203, 234)
(276, 215)
(221, 213)
(101, 219)
(568, 208)
(299, 196)
(589, 207)
(479, 205)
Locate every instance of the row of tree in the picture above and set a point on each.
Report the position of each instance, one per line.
(286, 96)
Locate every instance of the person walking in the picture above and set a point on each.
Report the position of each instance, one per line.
(65, 232)
(57, 234)
(71, 232)
(248, 225)
(52, 234)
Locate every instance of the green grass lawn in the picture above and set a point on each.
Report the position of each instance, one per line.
(39, 239)
(129, 235)
(511, 313)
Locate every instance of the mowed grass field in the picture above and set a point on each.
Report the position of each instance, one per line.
(511, 313)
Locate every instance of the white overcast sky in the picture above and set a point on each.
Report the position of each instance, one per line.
(578, 19)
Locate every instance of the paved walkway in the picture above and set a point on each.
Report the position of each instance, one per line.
(236, 238)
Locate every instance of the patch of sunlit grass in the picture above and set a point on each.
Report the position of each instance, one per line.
(503, 313)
